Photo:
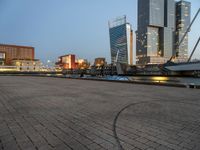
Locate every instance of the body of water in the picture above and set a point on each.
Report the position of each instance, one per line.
(160, 79)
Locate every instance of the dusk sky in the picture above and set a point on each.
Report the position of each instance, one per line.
(58, 27)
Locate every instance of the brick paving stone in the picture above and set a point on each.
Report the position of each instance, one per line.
(11, 146)
(61, 114)
(94, 146)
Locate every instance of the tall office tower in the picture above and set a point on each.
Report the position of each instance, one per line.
(155, 34)
(121, 41)
(183, 14)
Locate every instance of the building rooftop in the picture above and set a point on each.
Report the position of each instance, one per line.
(117, 21)
(15, 45)
(67, 55)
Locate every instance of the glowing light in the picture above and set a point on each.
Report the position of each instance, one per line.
(160, 79)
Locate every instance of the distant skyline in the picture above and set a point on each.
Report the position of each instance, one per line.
(61, 27)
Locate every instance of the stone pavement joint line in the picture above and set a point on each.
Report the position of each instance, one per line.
(61, 114)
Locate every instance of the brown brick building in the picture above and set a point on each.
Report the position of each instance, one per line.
(10, 52)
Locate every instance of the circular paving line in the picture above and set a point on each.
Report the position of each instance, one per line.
(182, 116)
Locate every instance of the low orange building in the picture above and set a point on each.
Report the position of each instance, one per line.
(67, 62)
(83, 64)
(100, 62)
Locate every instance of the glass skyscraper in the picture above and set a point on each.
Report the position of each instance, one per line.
(183, 14)
(155, 34)
(121, 41)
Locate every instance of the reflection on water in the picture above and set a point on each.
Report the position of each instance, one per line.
(157, 79)
(161, 79)
(153, 79)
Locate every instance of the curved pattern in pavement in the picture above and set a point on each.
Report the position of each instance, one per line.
(160, 125)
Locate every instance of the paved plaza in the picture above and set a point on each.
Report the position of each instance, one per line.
(41, 113)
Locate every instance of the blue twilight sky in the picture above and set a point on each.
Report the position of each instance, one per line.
(57, 27)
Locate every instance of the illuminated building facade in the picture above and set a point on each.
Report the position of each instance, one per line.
(83, 64)
(67, 62)
(100, 62)
(183, 13)
(27, 65)
(121, 41)
(155, 34)
(2, 58)
(11, 52)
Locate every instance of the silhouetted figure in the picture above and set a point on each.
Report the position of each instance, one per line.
(82, 74)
